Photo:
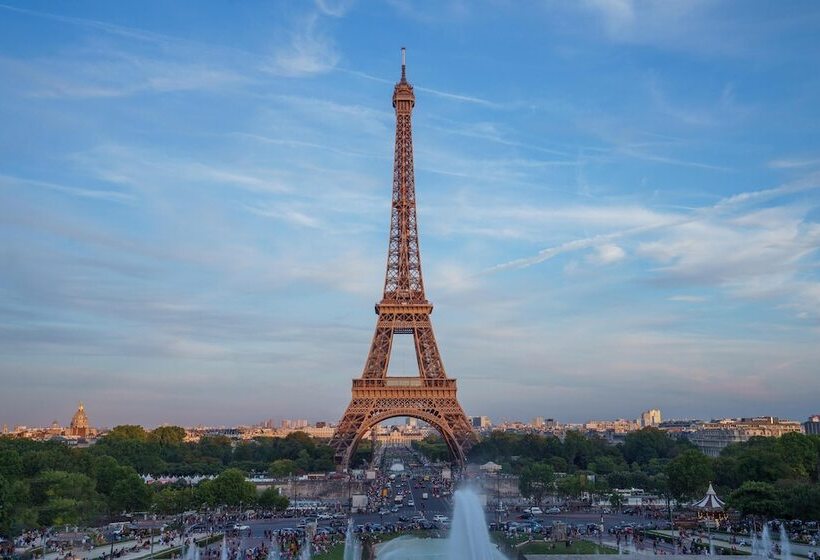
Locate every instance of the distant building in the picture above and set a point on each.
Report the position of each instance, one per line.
(538, 422)
(812, 425)
(650, 418)
(79, 426)
(619, 426)
(481, 422)
(712, 437)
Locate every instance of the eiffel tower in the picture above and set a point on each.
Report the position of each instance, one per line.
(404, 309)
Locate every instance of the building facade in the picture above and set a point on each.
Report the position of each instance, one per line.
(812, 425)
(712, 437)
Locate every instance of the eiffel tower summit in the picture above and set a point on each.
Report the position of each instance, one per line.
(431, 395)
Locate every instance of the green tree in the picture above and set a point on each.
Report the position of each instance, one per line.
(167, 435)
(644, 445)
(801, 500)
(11, 464)
(616, 500)
(230, 489)
(569, 486)
(800, 454)
(689, 474)
(536, 481)
(283, 467)
(65, 498)
(756, 498)
(270, 498)
(107, 472)
(128, 431)
(171, 500)
(130, 494)
(15, 515)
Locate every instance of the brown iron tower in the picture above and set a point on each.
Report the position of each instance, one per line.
(404, 309)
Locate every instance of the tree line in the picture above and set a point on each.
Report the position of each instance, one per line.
(769, 477)
(49, 483)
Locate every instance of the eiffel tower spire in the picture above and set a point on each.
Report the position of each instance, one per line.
(404, 309)
(403, 281)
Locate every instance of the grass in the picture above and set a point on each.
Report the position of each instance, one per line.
(519, 544)
(337, 551)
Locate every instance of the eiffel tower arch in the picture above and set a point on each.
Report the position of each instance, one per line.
(431, 395)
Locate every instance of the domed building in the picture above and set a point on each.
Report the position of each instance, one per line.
(79, 423)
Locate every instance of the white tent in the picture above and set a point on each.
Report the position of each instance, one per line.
(710, 502)
(490, 467)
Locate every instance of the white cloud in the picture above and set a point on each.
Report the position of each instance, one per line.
(607, 253)
(307, 51)
(96, 194)
(793, 162)
(687, 298)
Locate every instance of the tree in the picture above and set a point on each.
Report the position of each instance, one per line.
(643, 445)
(756, 498)
(168, 435)
(16, 513)
(107, 472)
(569, 486)
(65, 498)
(130, 494)
(689, 474)
(283, 467)
(616, 501)
(230, 489)
(11, 465)
(128, 431)
(800, 454)
(173, 500)
(536, 481)
(801, 500)
(270, 498)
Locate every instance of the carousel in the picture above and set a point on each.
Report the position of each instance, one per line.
(711, 509)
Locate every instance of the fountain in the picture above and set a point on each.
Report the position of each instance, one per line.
(468, 540)
(766, 542)
(353, 549)
(785, 544)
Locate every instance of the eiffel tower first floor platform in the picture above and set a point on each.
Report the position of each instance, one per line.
(429, 400)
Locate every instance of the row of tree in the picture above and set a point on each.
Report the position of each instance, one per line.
(48, 483)
(774, 477)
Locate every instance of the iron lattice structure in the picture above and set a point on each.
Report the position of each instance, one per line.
(404, 309)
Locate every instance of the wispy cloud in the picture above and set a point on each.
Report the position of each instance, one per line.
(307, 51)
(792, 163)
(95, 194)
(286, 213)
(459, 97)
(687, 298)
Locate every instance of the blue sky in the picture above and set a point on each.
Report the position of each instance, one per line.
(619, 205)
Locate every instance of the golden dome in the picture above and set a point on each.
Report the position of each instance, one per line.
(79, 420)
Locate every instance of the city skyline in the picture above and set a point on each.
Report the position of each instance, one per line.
(615, 212)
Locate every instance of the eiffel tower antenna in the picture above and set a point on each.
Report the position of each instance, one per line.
(431, 395)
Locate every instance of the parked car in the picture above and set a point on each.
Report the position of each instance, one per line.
(440, 518)
(554, 510)
(534, 510)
